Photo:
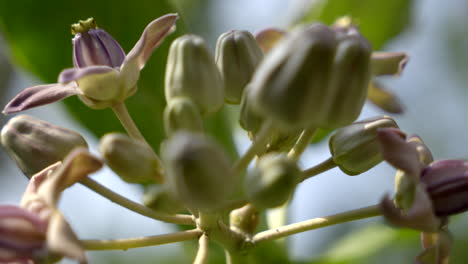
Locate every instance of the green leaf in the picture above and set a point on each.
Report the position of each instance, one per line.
(379, 21)
(40, 40)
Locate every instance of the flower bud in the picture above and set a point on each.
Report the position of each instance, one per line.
(182, 114)
(35, 144)
(249, 119)
(191, 72)
(273, 182)
(447, 185)
(158, 198)
(22, 234)
(132, 160)
(291, 82)
(237, 56)
(199, 172)
(94, 46)
(355, 148)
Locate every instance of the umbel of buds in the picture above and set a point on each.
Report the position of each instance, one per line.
(191, 72)
(355, 148)
(199, 173)
(273, 181)
(133, 161)
(237, 56)
(35, 144)
(316, 77)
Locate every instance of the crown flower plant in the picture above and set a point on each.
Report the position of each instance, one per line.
(285, 86)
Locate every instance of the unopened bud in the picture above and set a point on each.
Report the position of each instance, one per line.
(191, 72)
(35, 144)
(291, 83)
(159, 198)
(182, 114)
(237, 56)
(273, 182)
(199, 172)
(132, 160)
(355, 148)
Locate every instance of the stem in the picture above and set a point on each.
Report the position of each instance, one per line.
(235, 258)
(317, 169)
(304, 140)
(127, 122)
(316, 223)
(124, 244)
(203, 249)
(257, 145)
(136, 207)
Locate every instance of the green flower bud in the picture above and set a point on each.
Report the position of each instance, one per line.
(249, 119)
(182, 113)
(192, 72)
(132, 160)
(350, 77)
(237, 56)
(355, 148)
(35, 144)
(291, 83)
(158, 198)
(273, 181)
(198, 171)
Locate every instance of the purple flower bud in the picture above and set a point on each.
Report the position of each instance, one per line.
(94, 46)
(22, 234)
(447, 186)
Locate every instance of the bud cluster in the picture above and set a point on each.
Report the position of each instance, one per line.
(286, 86)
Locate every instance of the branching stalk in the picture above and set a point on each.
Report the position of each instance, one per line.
(137, 242)
(259, 144)
(316, 223)
(203, 249)
(136, 207)
(317, 169)
(301, 144)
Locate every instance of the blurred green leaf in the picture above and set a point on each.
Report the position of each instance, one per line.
(40, 40)
(379, 21)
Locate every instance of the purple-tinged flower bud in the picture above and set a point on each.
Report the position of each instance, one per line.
(181, 113)
(446, 183)
(355, 148)
(35, 144)
(237, 56)
(199, 173)
(273, 182)
(94, 46)
(22, 234)
(159, 198)
(191, 72)
(132, 160)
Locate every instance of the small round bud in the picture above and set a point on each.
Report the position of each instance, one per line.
(273, 181)
(199, 172)
(191, 72)
(237, 56)
(133, 161)
(182, 114)
(355, 148)
(249, 119)
(158, 198)
(35, 144)
(291, 83)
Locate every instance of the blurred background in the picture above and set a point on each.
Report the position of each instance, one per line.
(35, 45)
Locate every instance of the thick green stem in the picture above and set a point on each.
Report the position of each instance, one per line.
(317, 169)
(203, 249)
(258, 145)
(124, 244)
(304, 140)
(136, 207)
(316, 223)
